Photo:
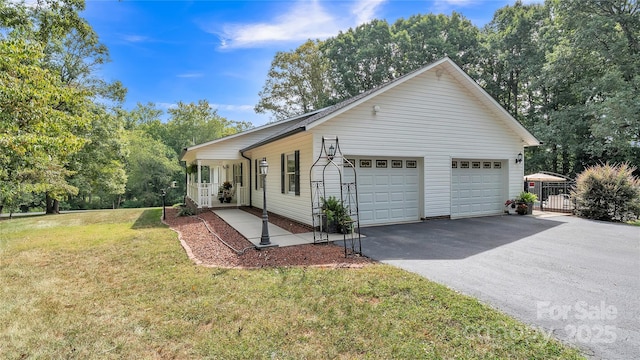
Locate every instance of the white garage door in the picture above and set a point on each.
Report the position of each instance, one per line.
(388, 190)
(477, 187)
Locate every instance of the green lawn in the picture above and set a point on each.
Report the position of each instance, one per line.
(117, 284)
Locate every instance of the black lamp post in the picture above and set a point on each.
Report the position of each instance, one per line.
(163, 193)
(264, 239)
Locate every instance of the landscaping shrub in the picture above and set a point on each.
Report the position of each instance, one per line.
(608, 192)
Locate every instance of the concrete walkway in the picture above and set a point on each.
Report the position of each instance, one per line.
(250, 226)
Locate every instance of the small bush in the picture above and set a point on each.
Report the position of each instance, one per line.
(527, 197)
(186, 211)
(608, 192)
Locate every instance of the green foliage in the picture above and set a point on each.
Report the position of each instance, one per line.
(527, 197)
(304, 72)
(151, 167)
(185, 211)
(608, 192)
(196, 123)
(337, 214)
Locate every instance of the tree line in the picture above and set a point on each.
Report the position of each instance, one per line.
(568, 70)
(65, 140)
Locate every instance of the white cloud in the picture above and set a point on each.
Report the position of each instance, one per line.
(230, 107)
(190, 75)
(167, 105)
(304, 20)
(135, 38)
(365, 11)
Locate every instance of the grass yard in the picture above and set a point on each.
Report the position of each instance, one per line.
(117, 284)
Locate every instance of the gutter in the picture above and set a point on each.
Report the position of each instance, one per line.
(250, 177)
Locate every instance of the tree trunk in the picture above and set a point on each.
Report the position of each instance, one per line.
(52, 205)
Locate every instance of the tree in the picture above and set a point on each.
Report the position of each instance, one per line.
(151, 166)
(195, 123)
(319, 74)
(361, 58)
(100, 165)
(39, 117)
(298, 82)
(67, 51)
(593, 79)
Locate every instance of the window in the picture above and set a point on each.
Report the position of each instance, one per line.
(475, 164)
(290, 173)
(454, 164)
(396, 164)
(237, 174)
(464, 164)
(411, 164)
(257, 177)
(486, 164)
(497, 165)
(365, 163)
(381, 163)
(349, 163)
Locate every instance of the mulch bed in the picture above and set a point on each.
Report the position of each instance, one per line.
(206, 249)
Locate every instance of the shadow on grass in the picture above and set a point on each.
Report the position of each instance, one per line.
(149, 218)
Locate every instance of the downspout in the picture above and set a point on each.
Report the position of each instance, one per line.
(250, 177)
(186, 182)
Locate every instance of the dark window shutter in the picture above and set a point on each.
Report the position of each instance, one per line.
(256, 176)
(297, 171)
(241, 175)
(283, 170)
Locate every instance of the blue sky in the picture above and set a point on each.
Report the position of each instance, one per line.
(170, 51)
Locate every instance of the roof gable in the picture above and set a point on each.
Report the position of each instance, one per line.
(476, 90)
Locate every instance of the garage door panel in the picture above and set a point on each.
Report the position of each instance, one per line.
(387, 195)
(364, 180)
(477, 191)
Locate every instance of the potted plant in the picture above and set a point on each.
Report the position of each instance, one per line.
(221, 194)
(226, 186)
(510, 206)
(528, 199)
(336, 217)
(522, 209)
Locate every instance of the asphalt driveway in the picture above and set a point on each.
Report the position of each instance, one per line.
(576, 278)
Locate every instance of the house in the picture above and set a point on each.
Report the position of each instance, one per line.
(429, 144)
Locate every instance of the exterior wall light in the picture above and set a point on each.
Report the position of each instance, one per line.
(519, 158)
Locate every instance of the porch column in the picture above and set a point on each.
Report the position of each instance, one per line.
(199, 182)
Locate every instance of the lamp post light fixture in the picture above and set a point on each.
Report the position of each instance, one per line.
(163, 193)
(264, 169)
(331, 152)
(519, 158)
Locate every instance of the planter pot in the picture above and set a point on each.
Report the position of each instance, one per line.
(330, 227)
(227, 200)
(529, 208)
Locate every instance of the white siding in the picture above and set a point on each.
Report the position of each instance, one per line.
(229, 149)
(431, 117)
(294, 207)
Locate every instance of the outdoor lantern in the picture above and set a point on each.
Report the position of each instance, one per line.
(519, 158)
(264, 238)
(331, 152)
(264, 167)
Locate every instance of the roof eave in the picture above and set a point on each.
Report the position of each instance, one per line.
(275, 138)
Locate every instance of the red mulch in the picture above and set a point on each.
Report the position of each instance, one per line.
(205, 249)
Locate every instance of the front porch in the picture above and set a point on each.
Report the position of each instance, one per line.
(206, 180)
